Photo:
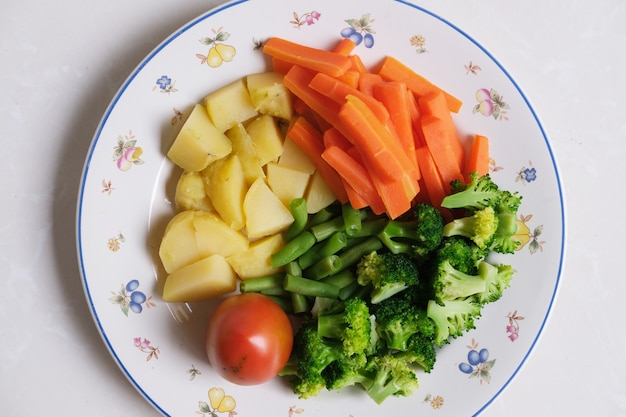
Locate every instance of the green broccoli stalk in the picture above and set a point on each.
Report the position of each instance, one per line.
(352, 327)
(417, 236)
(312, 355)
(389, 376)
(498, 278)
(420, 351)
(388, 273)
(480, 227)
(453, 318)
(397, 319)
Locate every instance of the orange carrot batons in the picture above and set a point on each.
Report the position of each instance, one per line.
(478, 157)
(321, 60)
(439, 140)
(435, 104)
(310, 140)
(394, 70)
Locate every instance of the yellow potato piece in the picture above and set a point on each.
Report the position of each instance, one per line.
(208, 278)
(245, 149)
(194, 234)
(269, 95)
(286, 183)
(318, 195)
(226, 188)
(230, 105)
(198, 142)
(256, 261)
(191, 193)
(265, 213)
(267, 138)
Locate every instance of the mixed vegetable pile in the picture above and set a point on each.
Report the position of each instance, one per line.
(371, 283)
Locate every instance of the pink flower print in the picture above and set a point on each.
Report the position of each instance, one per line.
(513, 327)
(144, 346)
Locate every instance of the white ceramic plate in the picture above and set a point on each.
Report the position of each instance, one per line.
(126, 192)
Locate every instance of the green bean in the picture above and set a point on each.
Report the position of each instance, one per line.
(299, 303)
(326, 266)
(300, 218)
(352, 219)
(293, 249)
(327, 247)
(352, 255)
(264, 283)
(309, 287)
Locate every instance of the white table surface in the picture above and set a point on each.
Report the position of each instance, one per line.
(62, 62)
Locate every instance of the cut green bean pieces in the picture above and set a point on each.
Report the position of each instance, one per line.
(309, 287)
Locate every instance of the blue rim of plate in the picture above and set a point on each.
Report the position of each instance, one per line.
(229, 5)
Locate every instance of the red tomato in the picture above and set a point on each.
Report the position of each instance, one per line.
(248, 339)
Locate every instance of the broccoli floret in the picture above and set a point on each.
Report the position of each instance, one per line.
(312, 354)
(397, 319)
(475, 195)
(352, 327)
(420, 351)
(503, 241)
(388, 273)
(417, 236)
(389, 375)
(342, 374)
(453, 318)
(480, 227)
(462, 253)
(448, 283)
(498, 278)
(480, 193)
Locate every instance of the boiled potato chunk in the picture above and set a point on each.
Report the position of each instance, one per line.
(230, 105)
(191, 193)
(265, 213)
(246, 151)
(226, 188)
(269, 95)
(286, 183)
(256, 261)
(318, 195)
(267, 138)
(193, 234)
(198, 143)
(208, 278)
(294, 157)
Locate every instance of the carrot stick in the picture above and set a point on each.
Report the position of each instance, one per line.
(367, 82)
(337, 90)
(297, 81)
(433, 183)
(439, 139)
(377, 145)
(394, 70)
(434, 104)
(357, 63)
(310, 140)
(396, 98)
(355, 175)
(280, 66)
(351, 78)
(478, 157)
(328, 62)
(333, 137)
(344, 47)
